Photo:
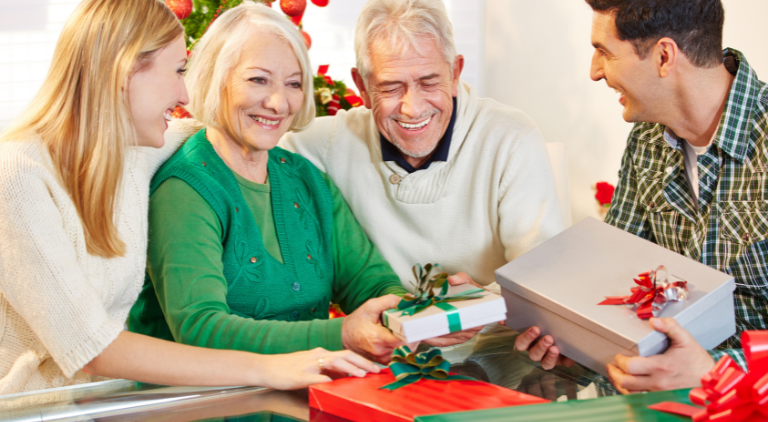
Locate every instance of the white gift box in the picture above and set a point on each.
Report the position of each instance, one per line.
(434, 321)
(557, 286)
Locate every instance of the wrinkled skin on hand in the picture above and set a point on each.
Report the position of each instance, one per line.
(363, 333)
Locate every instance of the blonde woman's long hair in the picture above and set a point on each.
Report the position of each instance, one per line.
(82, 113)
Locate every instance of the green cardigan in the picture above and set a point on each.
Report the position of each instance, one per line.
(212, 279)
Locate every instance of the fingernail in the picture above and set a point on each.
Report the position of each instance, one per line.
(657, 324)
(547, 343)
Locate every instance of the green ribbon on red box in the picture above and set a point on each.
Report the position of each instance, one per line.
(728, 393)
(409, 367)
(412, 304)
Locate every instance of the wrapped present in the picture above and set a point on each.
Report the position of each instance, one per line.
(438, 308)
(557, 286)
(633, 407)
(728, 393)
(414, 385)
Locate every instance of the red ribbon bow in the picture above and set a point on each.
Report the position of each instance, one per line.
(729, 393)
(322, 70)
(652, 293)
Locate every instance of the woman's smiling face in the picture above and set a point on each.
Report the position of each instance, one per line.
(263, 92)
(155, 90)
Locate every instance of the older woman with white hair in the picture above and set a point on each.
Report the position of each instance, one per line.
(249, 243)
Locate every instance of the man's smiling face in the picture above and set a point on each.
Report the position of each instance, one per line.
(617, 62)
(411, 96)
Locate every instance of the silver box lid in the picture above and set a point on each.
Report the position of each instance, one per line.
(572, 272)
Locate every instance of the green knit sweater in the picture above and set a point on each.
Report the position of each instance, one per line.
(222, 274)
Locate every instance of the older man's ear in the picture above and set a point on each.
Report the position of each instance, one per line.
(361, 87)
(458, 66)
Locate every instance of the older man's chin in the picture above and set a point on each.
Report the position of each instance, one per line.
(423, 151)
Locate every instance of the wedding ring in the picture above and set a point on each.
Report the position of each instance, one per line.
(320, 363)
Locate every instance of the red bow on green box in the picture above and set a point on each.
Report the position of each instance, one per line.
(729, 393)
(652, 294)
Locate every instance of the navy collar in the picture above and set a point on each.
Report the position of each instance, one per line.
(389, 151)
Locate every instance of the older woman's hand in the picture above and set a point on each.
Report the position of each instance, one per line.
(363, 333)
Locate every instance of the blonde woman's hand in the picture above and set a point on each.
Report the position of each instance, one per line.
(297, 370)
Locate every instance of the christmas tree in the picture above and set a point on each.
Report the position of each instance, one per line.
(197, 15)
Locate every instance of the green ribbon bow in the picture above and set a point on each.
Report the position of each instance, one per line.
(409, 367)
(412, 304)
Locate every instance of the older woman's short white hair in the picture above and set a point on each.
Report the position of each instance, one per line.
(220, 50)
(401, 24)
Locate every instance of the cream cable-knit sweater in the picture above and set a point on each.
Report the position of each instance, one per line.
(493, 200)
(60, 306)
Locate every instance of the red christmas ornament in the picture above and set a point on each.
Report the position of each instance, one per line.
(181, 8)
(296, 19)
(320, 3)
(293, 8)
(307, 39)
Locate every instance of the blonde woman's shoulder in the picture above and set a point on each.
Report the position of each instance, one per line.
(179, 130)
(18, 155)
(23, 162)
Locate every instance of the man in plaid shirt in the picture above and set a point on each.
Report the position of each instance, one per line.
(693, 177)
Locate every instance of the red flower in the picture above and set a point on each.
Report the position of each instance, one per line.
(604, 193)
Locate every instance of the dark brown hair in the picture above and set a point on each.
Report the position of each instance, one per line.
(695, 25)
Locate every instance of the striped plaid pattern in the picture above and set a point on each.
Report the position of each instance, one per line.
(728, 228)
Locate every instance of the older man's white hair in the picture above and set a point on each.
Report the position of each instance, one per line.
(219, 51)
(402, 24)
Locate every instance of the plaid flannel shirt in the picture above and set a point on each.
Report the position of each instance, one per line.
(728, 230)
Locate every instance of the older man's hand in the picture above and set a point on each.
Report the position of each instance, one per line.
(459, 336)
(363, 333)
(542, 349)
(681, 366)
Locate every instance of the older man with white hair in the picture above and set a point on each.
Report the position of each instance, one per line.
(432, 172)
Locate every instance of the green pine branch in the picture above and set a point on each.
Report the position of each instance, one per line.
(203, 14)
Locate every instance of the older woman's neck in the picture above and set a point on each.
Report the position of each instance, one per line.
(248, 163)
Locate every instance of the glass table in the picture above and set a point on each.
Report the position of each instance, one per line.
(490, 357)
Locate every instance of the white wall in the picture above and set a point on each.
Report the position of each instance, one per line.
(28, 33)
(537, 59)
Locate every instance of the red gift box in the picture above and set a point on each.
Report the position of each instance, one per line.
(360, 399)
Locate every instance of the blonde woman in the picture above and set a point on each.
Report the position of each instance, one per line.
(74, 178)
(249, 243)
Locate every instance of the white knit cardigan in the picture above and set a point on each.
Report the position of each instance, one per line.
(60, 306)
(491, 201)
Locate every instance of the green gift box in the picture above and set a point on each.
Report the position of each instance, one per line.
(632, 407)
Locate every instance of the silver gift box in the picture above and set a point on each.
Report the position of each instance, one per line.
(557, 286)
